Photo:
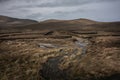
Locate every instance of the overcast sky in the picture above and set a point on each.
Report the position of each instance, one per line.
(100, 10)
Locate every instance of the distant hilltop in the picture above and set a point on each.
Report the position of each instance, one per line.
(53, 24)
(82, 20)
(6, 21)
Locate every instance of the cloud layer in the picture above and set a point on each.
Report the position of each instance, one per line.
(101, 10)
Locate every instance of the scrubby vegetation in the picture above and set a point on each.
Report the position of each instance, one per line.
(76, 50)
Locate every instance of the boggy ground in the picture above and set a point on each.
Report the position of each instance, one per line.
(59, 55)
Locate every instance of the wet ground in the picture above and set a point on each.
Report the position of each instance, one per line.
(51, 70)
(74, 56)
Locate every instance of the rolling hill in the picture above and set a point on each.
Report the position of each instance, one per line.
(79, 49)
(78, 24)
(7, 22)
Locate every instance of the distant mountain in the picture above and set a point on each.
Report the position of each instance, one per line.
(6, 22)
(82, 20)
(77, 24)
(52, 20)
(86, 21)
(53, 24)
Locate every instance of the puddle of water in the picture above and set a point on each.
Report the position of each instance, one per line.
(47, 45)
(82, 45)
(51, 71)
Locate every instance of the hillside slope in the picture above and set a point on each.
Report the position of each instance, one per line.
(7, 22)
(78, 24)
(78, 49)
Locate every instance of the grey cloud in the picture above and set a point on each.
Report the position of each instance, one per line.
(34, 16)
(54, 3)
(3, 0)
(61, 9)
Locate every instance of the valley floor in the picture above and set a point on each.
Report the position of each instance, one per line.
(59, 55)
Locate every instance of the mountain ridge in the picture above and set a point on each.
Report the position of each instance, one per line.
(6, 21)
(54, 24)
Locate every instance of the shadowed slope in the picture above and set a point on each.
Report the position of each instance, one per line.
(7, 22)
